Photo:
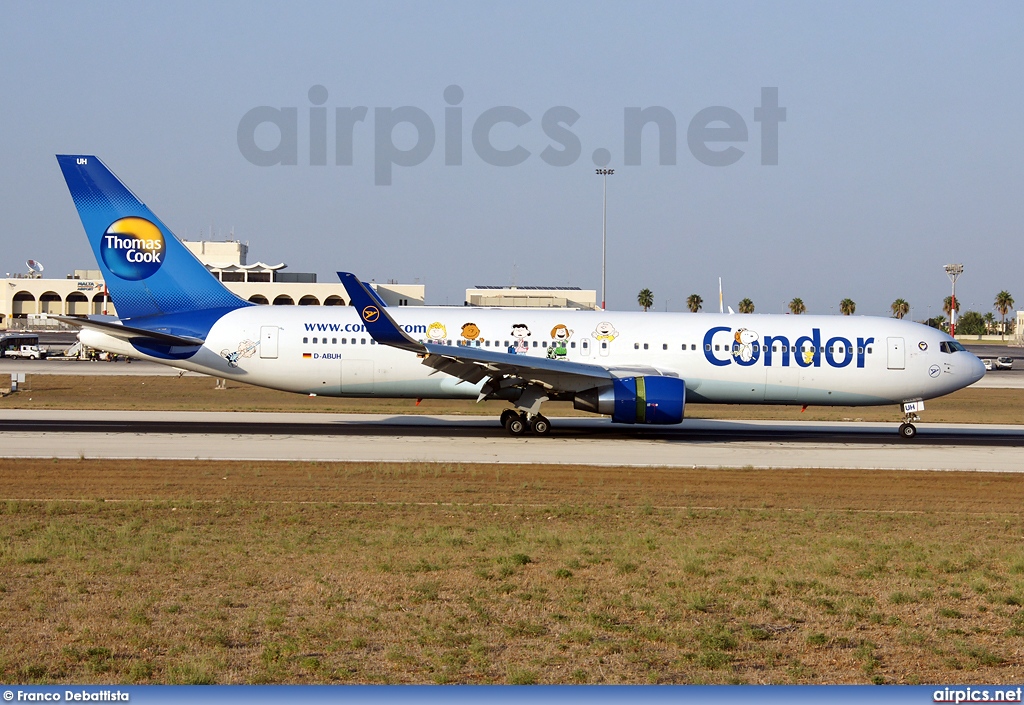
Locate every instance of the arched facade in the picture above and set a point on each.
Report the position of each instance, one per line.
(51, 302)
(334, 301)
(309, 300)
(77, 304)
(24, 303)
(284, 300)
(258, 299)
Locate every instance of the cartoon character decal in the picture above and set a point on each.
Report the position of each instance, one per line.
(605, 332)
(743, 344)
(471, 332)
(560, 335)
(246, 348)
(437, 332)
(521, 346)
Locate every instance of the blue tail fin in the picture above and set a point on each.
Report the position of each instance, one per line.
(147, 270)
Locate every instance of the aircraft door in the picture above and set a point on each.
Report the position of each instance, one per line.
(602, 346)
(585, 347)
(897, 354)
(268, 341)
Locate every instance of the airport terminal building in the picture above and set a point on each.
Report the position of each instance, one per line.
(84, 292)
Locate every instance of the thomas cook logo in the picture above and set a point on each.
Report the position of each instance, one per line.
(132, 248)
(370, 314)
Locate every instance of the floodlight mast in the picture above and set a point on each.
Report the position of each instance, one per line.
(953, 271)
(604, 231)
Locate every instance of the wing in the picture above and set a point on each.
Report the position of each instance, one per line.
(473, 364)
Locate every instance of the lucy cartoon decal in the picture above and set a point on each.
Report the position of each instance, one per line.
(471, 332)
(560, 335)
(437, 332)
(605, 332)
(521, 346)
(743, 345)
(246, 348)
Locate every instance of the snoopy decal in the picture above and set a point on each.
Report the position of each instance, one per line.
(560, 335)
(437, 332)
(521, 346)
(246, 348)
(743, 344)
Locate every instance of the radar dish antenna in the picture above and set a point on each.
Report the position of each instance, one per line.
(34, 268)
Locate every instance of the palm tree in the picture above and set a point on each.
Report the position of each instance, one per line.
(900, 308)
(990, 321)
(947, 306)
(1003, 304)
(645, 298)
(694, 302)
(796, 306)
(746, 306)
(847, 307)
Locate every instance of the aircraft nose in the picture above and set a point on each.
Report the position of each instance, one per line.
(976, 369)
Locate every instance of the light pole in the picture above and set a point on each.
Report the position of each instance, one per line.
(953, 271)
(604, 231)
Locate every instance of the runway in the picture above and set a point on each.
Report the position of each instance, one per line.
(460, 439)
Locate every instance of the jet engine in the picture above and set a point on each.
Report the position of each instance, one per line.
(648, 400)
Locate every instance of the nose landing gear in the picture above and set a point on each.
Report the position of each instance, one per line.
(907, 429)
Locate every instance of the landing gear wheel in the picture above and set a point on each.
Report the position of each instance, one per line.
(908, 430)
(540, 425)
(515, 424)
(505, 416)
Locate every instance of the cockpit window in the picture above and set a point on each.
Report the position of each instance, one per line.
(951, 346)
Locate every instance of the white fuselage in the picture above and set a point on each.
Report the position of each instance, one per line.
(742, 358)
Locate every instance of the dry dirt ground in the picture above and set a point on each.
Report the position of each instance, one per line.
(176, 572)
(199, 393)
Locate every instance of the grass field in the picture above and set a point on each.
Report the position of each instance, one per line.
(198, 393)
(294, 572)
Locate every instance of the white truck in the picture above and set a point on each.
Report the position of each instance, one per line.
(28, 352)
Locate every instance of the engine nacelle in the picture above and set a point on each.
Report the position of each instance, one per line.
(650, 400)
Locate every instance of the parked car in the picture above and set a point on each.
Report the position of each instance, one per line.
(1004, 362)
(989, 365)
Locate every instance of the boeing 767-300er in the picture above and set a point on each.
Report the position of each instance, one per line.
(638, 368)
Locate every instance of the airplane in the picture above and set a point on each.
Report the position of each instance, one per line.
(637, 368)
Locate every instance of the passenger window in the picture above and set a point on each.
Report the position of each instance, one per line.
(314, 341)
(717, 347)
(664, 346)
(604, 345)
(572, 345)
(362, 341)
(636, 346)
(585, 345)
(334, 341)
(535, 344)
(305, 340)
(693, 347)
(707, 347)
(869, 351)
(645, 346)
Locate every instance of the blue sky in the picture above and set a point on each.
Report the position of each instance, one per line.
(901, 148)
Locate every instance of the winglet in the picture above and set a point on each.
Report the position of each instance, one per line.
(369, 290)
(379, 323)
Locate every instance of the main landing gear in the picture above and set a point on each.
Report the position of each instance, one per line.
(518, 423)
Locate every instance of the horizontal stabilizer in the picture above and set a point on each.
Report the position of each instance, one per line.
(131, 333)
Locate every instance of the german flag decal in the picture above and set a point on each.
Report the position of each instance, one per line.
(306, 356)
